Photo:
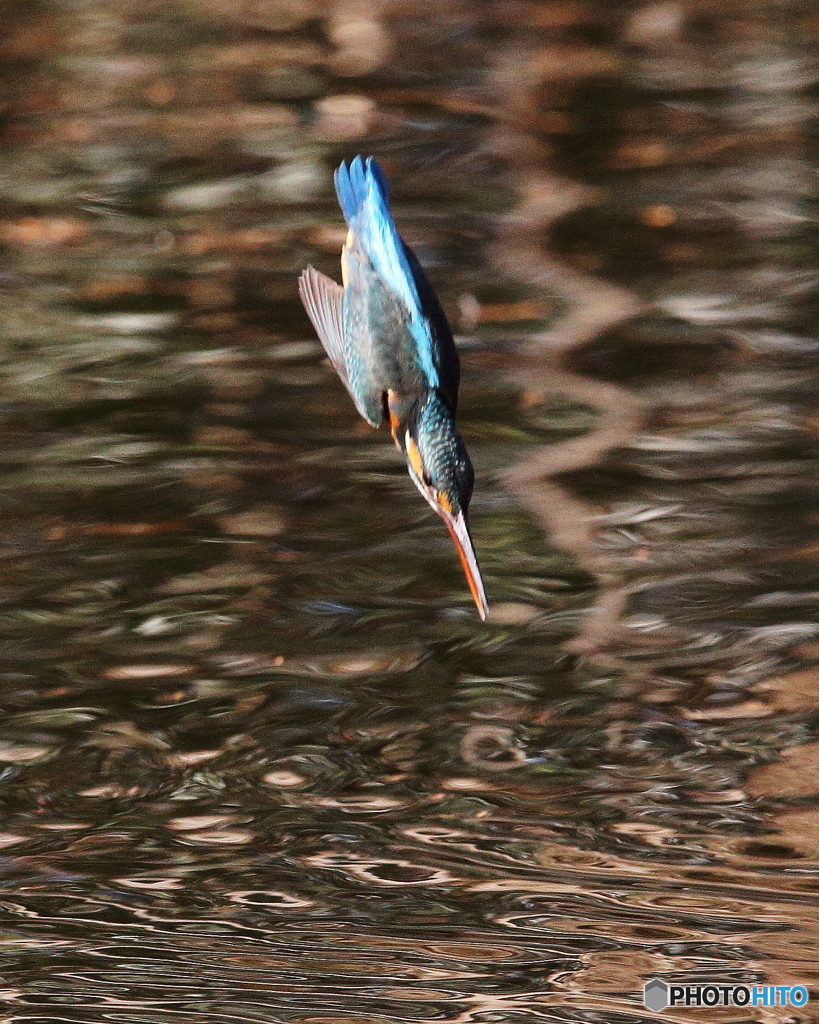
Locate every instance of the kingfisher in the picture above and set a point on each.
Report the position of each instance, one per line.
(389, 341)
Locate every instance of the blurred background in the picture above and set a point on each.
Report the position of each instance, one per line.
(259, 759)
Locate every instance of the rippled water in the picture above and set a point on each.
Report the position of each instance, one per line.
(260, 760)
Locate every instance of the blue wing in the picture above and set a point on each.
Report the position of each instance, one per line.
(325, 303)
(363, 195)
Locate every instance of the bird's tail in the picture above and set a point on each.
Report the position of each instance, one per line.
(357, 182)
(365, 201)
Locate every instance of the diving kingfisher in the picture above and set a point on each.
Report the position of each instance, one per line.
(389, 341)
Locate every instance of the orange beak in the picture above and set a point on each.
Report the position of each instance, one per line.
(455, 522)
(459, 532)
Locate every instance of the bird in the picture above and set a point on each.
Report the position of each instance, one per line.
(388, 339)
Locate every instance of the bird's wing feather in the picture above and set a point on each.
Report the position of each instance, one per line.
(323, 300)
(364, 199)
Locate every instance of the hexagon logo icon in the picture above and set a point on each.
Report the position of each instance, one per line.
(655, 995)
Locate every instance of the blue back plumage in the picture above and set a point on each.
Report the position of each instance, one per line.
(363, 195)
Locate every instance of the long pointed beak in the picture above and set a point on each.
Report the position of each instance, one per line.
(459, 531)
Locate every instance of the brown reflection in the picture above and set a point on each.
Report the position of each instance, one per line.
(620, 344)
(259, 763)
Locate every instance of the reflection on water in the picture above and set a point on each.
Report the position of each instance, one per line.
(260, 761)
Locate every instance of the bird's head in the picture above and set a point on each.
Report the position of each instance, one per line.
(440, 468)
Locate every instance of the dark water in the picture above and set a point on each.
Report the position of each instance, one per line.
(260, 760)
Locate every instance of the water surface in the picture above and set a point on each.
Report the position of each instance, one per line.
(260, 760)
